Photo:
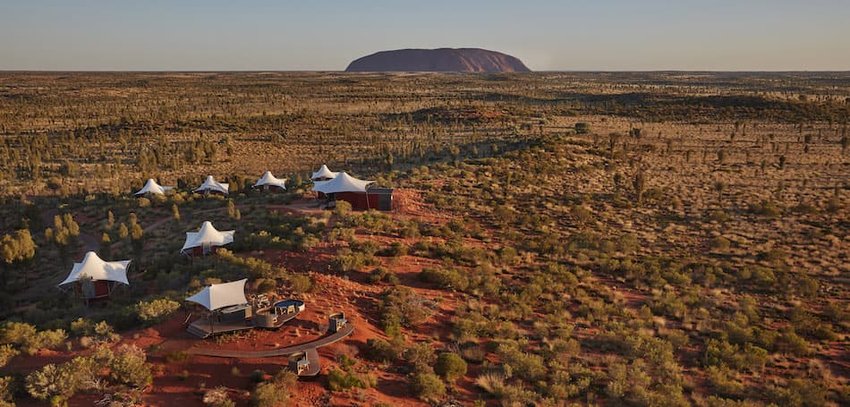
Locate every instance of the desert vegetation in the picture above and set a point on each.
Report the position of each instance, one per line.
(605, 239)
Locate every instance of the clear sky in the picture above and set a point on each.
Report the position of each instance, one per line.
(327, 35)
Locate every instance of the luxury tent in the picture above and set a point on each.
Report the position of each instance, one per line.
(151, 187)
(324, 174)
(206, 240)
(355, 191)
(341, 183)
(97, 278)
(218, 296)
(269, 181)
(210, 185)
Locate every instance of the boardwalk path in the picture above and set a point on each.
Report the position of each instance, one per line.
(285, 351)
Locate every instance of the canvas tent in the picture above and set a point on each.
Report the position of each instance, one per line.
(270, 181)
(324, 174)
(357, 192)
(151, 187)
(211, 185)
(206, 239)
(94, 268)
(342, 183)
(96, 277)
(218, 296)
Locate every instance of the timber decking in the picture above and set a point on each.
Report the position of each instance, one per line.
(202, 328)
(285, 351)
(314, 364)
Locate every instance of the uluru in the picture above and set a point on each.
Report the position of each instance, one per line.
(438, 60)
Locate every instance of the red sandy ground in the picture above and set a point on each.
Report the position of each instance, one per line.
(182, 381)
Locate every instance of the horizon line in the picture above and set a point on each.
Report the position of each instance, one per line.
(422, 72)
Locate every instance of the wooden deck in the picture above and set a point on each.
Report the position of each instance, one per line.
(285, 351)
(315, 365)
(203, 328)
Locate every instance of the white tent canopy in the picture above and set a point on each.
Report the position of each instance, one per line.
(270, 180)
(341, 183)
(217, 296)
(151, 187)
(207, 235)
(211, 185)
(94, 268)
(324, 173)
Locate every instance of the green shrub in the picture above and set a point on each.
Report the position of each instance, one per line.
(420, 355)
(339, 380)
(382, 275)
(156, 310)
(450, 366)
(719, 243)
(444, 278)
(384, 351)
(266, 285)
(527, 366)
(342, 208)
(269, 394)
(7, 391)
(29, 340)
(799, 393)
(129, 367)
(395, 249)
(7, 352)
(300, 283)
(428, 386)
(218, 397)
(51, 381)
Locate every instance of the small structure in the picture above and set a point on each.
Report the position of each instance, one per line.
(324, 174)
(336, 322)
(228, 309)
(270, 182)
(96, 278)
(211, 186)
(276, 315)
(151, 187)
(206, 240)
(305, 364)
(355, 191)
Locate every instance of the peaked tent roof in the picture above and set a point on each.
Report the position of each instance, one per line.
(342, 183)
(207, 234)
(269, 179)
(210, 184)
(95, 268)
(217, 296)
(324, 172)
(153, 188)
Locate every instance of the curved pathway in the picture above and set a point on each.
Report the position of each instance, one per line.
(285, 351)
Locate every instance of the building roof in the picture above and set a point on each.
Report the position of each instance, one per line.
(217, 296)
(151, 187)
(341, 183)
(94, 268)
(211, 185)
(271, 180)
(207, 234)
(324, 173)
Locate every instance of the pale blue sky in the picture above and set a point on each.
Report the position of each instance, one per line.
(327, 35)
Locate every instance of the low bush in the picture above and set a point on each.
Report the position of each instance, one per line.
(129, 367)
(30, 340)
(156, 310)
(428, 387)
(450, 366)
(382, 275)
